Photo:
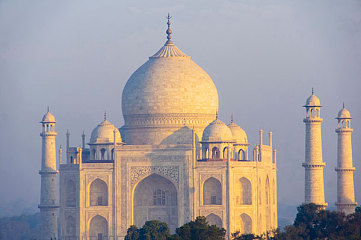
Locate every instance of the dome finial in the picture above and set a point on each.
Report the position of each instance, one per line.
(105, 115)
(169, 31)
(48, 109)
(313, 91)
(343, 105)
(217, 114)
(232, 118)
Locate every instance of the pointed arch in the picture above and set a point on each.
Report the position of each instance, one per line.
(244, 192)
(259, 191)
(214, 219)
(98, 228)
(98, 193)
(245, 224)
(267, 191)
(241, 155)
(215, 153)
(70, 193)
(212, 192)
(274, 191)
(225, 153)
(71, 227)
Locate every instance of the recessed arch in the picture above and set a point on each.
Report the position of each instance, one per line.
(155, 198)
(241, 155)
(225, 153)
(212, 192)
(214, 219)
(71, 227)
(103, 154)
(98, 228)
(267, 191)
(98, 193)
(244, 187)
(245, 224)
(259, 191)
(215, 153)
(70, 193)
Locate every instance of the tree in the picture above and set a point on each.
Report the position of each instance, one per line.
(132, 233)
(154, 230)
(199, 230)
(151, 230)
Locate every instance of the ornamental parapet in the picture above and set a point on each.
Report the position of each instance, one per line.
(313, 165)
(48, 134)
(48, 206)
(312, 120)
(352, 204)
(351, 169)
(344, 130)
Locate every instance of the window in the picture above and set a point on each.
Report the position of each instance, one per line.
(159, 198)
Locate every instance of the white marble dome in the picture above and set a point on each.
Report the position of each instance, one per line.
(239, 135)
(217, 131)
(344, 113)
(166, 93)
(104, 133)
(48, 117)
(169, 82)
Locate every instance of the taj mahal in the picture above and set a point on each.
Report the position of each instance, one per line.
(172, 160)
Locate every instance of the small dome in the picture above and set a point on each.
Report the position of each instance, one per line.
(217, 131)
(48, 117)
(104, 133)
(239, 135)
(344, 113)
(313, 101)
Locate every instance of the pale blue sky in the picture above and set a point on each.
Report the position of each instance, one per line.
(264, 57)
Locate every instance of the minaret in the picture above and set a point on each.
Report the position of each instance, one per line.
(314, 186)
(345, 184)
(48, 196)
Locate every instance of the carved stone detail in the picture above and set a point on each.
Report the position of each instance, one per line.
(137, 173)
(208, 175)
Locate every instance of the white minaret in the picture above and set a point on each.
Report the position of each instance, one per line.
(48, 196)
(314, 186)
(345, 184)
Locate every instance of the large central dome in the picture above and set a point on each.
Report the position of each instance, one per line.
(166, 93)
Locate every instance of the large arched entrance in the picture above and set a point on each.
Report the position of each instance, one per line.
(155, 198)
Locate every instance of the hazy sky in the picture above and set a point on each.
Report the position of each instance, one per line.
(264, 57)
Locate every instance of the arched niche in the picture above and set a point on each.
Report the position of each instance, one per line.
(70, 194)
(214, 219)
(155, 198)
(244, 196)
(71, 227)
(245, 223)
(212, 192)
(98, 193)
(267, 191)
(98, 228)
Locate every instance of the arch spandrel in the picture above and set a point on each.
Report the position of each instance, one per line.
(138, 173)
